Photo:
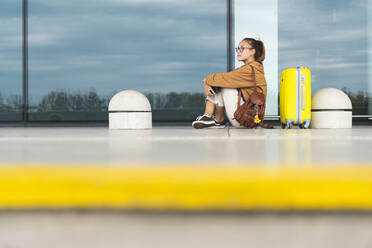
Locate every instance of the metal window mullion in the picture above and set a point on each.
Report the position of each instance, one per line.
(25, 61)
(230, 35)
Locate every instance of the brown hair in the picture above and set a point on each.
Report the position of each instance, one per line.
(258, 45)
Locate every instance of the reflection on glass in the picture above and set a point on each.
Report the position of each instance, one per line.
(80, 55)
(331, 39)
(11, 60)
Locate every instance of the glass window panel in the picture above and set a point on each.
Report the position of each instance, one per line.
(81, 53)
(259, 20)
(11, 60)
(332, 39)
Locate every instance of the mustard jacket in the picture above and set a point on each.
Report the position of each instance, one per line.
(241, 77)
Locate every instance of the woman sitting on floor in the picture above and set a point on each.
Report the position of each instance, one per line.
(252, 53)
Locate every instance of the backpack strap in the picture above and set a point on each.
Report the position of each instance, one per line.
(254, 78)
(239, 97)
(240, 94)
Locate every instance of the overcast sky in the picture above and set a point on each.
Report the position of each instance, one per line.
(168, 45)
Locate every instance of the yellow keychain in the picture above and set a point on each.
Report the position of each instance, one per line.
(256, 119)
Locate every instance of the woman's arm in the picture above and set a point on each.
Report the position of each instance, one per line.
(239, 78)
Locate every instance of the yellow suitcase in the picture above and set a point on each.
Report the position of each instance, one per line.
(295, 97)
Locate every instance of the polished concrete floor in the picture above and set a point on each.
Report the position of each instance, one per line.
(184, 145)
(176, 146)
(169, 230)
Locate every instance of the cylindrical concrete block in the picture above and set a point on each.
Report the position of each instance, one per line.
(331, 108)
(129, 109)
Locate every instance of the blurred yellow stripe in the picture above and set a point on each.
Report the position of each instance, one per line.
(187, 187)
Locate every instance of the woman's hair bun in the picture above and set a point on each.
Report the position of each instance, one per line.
(259, 46)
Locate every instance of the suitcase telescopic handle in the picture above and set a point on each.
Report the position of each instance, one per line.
(303, 97)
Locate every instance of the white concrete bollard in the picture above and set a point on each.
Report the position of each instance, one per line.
(129, 109)
(331, 108)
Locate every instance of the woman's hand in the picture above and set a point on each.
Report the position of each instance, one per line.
(208, 89)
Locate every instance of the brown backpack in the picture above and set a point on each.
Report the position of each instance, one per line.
(251, 113)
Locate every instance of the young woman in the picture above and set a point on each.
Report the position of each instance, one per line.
(252, 53)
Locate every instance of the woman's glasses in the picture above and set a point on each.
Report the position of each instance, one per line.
(241, 48)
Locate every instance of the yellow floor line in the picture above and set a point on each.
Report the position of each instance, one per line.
(186, 188)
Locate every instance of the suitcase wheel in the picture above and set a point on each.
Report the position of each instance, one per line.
(306, 124)
(287, 125)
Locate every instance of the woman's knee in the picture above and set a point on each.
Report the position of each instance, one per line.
(211, 99)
